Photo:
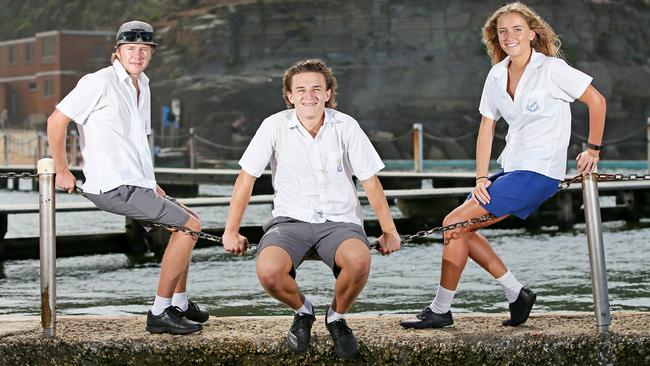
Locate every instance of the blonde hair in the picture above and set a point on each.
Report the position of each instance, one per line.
(545, 41)
(313, 65)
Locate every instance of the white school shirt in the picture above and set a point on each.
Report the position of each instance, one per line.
(312, 177)
(539, 118)
(113, 129)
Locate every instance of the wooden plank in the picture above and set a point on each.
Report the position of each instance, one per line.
(431, 193)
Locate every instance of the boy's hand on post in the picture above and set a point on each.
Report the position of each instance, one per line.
(65, 180)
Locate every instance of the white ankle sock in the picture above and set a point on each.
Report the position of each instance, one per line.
(442, 303)
(180, 299)
(333, 315)
(510, 285)
(306, 308)
(160, 304)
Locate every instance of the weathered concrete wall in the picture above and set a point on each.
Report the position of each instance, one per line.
(398, 62)
(546, 339)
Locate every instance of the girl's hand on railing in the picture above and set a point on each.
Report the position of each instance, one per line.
(587, 161)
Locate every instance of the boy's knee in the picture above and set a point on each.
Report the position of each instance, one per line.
(193, 224)
(270, 277)
(356, 261)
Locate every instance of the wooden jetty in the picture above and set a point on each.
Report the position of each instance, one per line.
(185, 182)
(422, 209)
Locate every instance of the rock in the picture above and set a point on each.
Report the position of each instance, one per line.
(548, 338)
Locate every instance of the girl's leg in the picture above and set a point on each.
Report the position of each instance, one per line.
(458, 247)
(465, 242)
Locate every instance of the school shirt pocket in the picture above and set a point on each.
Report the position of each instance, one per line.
(536, 103)
(340, 191)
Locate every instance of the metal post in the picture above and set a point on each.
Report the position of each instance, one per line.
(39, 145)
(596, 252)
(648, 148)
(417, 147)
(152, 146)
(43, 146)
(5, 138)
(192, 149)
(46, 171)
(74, 146)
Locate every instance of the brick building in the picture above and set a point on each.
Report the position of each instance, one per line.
(37, 72)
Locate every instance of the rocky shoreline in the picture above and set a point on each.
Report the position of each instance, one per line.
(546, 339)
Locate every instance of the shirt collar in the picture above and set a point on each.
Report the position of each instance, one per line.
(123, 75)
(536, 60)
(294, 122)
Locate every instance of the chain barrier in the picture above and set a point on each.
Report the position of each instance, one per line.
(635, 134)
(451, 138)
(14, 175)
(28, 141)
(458, 225)
(185, 230)
(218, 146)
(390, 139)
(601, 177)
(182, 136)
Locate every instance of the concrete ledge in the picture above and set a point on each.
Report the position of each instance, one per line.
(547, 339)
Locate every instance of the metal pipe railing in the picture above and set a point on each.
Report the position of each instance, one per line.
(5, 149)
(417, 147)
(45, 170)
(152, 146)
(596, 252)
(192, 148)
(648, 147)
(74, 148)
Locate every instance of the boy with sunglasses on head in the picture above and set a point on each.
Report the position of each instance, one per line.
(112, 110)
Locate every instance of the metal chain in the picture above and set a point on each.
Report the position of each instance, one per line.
(563, 185)
(182, 229)
(602, 177)
(13, 175)
(405, 238)
(188, 231)
(426, 233)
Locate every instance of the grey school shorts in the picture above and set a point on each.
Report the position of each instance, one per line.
(299, 239)
(141, 204)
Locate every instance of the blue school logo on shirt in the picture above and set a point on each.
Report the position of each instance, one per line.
(532, 105)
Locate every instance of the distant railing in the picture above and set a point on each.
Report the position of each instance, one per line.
(26, 147)
(19, 147)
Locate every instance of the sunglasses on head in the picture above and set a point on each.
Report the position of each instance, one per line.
(132, 36)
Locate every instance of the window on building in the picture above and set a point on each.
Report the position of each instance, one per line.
(12, 54)
(100, 55)
(48, 51)
(29, 52)
(48, 87)
(32, 86)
